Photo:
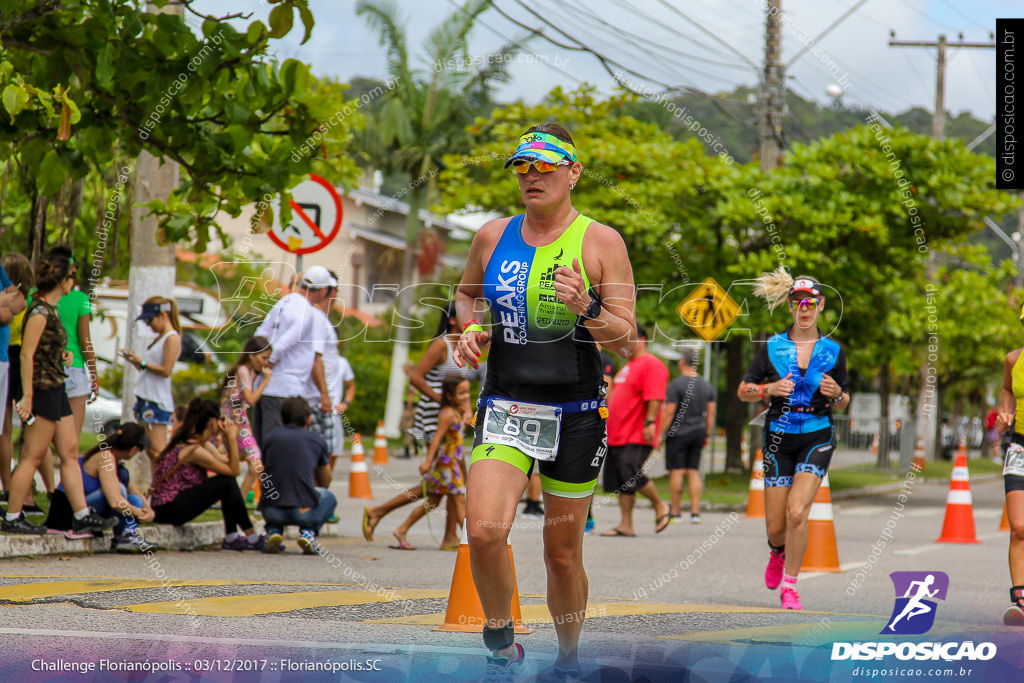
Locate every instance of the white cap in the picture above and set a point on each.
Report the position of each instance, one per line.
(318, 277)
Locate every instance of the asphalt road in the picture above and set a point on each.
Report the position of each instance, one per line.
(690, 599)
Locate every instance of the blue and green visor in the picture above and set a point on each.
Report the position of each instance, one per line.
(542, 147)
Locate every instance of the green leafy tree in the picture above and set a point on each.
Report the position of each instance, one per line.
(84, 83)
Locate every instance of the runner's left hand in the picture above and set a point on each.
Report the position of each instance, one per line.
(569, 288)
(830, 389)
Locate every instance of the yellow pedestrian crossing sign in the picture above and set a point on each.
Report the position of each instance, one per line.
(709, 310)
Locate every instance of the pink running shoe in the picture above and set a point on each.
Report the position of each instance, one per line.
(776, 565)
(790, 598)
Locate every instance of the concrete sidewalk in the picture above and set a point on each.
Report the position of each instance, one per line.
(187, 537)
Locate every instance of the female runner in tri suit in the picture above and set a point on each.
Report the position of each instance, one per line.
(1012, 414)
(804, 374)
(555, 283)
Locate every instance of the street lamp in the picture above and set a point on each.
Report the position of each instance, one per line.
(836, 93)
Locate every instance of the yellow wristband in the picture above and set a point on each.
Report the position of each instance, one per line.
(473, 327)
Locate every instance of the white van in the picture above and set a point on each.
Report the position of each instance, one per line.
(199, 313)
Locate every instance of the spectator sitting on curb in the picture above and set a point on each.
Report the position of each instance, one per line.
(108, 489)
(295, 480)
(182, 490)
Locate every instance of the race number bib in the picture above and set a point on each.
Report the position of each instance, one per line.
(531, 428)
(1014, 463)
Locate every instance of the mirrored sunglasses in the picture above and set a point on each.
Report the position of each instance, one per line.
(804, 304)
(522, 166)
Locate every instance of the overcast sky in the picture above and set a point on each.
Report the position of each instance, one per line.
(679, 48)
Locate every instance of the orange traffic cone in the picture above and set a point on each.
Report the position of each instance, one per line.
(358, 477)
(465, 614)
(822, 552)
(874, 445)
(1005, 524)
(380, 445)
(918, 463)
(755, 499)
(958, 527)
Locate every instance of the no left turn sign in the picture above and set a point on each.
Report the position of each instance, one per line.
(316, 218)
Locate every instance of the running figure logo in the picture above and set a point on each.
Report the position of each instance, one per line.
(914, 611)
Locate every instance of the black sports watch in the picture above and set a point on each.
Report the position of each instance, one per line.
(594, 309)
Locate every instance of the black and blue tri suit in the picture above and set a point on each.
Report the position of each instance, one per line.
(799, 432)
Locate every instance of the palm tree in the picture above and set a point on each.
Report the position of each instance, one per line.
(423, 117)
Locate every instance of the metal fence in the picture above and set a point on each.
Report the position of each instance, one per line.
(857, 447)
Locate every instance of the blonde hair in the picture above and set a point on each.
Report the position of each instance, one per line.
(172, 314)
(774, 287)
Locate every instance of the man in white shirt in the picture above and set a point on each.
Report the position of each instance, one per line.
(293, 327)
(340, 380)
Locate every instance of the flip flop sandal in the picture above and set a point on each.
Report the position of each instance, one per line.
(662, 523)
(402, 546)
(367, 531)
(617, 532)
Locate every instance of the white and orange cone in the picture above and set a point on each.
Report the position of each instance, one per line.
(380, 445)
(358, 477)
(822, 551)
(919, 454)
(755, 499)
(958, 526)
(465, 613)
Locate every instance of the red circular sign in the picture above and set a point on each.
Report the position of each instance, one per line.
(299, 214)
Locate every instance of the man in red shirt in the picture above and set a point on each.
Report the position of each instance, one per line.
(633, 414)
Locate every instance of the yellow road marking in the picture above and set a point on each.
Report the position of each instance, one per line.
(251, 605)
(26, 592)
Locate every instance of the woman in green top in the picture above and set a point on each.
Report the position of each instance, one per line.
(75, 312)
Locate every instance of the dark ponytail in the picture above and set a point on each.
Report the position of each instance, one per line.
(126, 437)
(197, 416)
(50, 272)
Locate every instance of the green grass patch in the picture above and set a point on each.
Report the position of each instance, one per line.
(943, 469)
(720, 488)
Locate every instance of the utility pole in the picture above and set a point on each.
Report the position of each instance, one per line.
(771, 100)
(939, 117)
(927, 409)
(152, 265)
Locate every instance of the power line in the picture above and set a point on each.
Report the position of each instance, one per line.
(927, 18)
(606, 62)
(525, 49)
(965, 16)
(650, 43)
(660, 23)
(709, 34)
(982, 77)
(624, 42)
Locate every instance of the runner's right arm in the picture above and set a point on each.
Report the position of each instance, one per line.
(1008, 402)
(469, 297)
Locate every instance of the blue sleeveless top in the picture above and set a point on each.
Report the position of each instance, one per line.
(806, 409)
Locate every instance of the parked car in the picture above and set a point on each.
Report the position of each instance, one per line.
(105, 411)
